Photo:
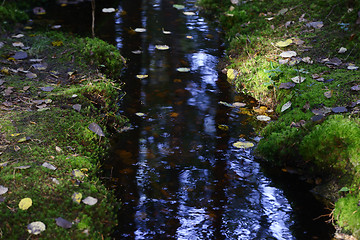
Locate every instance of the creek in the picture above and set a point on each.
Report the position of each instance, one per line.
(176, 170)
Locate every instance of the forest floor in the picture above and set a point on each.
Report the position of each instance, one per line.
(56, 111)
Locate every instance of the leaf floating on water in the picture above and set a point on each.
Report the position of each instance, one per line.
(287, 85)
(140, 30)
(142, 76)
(96, 129)
(189, 37)
(189, 13)
(140, 114)
(183, 69)
(61, 222)
(49, 166)
(241, 144)
(298, 79)
(136, 52)
(108, 10)
(162, 47)
(178, 6)
(263, 118)
(76, 197)
(36, 227)
(223, 127)
(77, 107)
(286, 106)
(288, 54)
(166, 32)
(3, 190)
(284, 43)
(25, 203)
(90, 201)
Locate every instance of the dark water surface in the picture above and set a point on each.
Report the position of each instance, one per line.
(176, 171)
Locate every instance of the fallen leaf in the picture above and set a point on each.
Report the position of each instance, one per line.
(108, 10)
(136, 52)
(36, 227)
(16, 148)
(298, 79)
(162, 47)
(178, 6)
(39, 66)
(20, 55)
(352, 67)
(355, 88)
(139, 114)
(2, 82)
(18, 44)
(76, 197)
(223, 127)
(166, 32)
(3, 189)
(342, 50)
(24, 139)
(55, 26)
(263, 118)
(307, 60)
(298, 41)
(183, 69)
(321, 111)
(328, 94)
(241, 144)
(47, 89)
(18, 35)
(31, 75)
(288, 54)
(78, 174)
(286, 106)
(57, 43)
(55, 181)
(140, 30)
(61, 222)
(239, 104)
(22, 167)
(26, 88)
(25, 203)
(226, 104)
(232, 74)
(339, 109)
(77, 107)
(316, 25)
(282, 11)
(90, 201)
(39, 11)
(284, 43)
(49, 166)
(189, 13)
(142, 76)
(96, 129)
(287, 85)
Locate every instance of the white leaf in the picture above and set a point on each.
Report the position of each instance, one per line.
(298, 79)
(140, 30)
(96, 129)
(162, 47)
(286, 106)
(3, 189)
(288, 54)
(108, 10)
(49, 166)
(90, 201)
(342, 50)
(263, 118)
(183, 69)
(36, 227)
(189, 13)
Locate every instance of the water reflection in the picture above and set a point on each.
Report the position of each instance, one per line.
(177, 172)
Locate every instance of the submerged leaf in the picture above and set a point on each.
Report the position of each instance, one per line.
(90, 201)
(241, 144)
(61, 222)
(25, 203)
(96, 129)
(36, 227)
(178, 6)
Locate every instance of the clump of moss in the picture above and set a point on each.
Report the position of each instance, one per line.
(10, 14)
(333, 145)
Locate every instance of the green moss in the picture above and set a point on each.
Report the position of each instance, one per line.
(347, 213)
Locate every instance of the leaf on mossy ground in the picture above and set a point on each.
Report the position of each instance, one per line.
(47, 89)
(58, 149)
(3, 190)
(25, 203)
(2, 82)
(183, 69)
(18, 35)
(232, 74)
(24, 139)
(286, 106)
(162, 47)
(263, 118)
(39, 66)
(288, 54)
(321, 111)
(49, 166)
(328, 94)
(96, 129)
(298, 79)
(90, 201)
(57, 43)
(77, 107)
(20, 55)
(344, 189)
(342, 50)
(61, 222)
(287, 85)
(36, 227)
(316, 25)
(243, 144)
(339, 109)
(355, 88)
(140, 76)
(78, 174)
(284, 43)
(76, 197)
(22, 167)
(352, 67)
(18, 44)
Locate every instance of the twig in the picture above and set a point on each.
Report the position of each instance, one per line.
(93, 18)
(332, 9)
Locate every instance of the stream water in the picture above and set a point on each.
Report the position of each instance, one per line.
(176, 170)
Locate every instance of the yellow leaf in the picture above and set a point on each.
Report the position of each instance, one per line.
(162, 47)
(25, 203)
(223, 127)
(76, 197)
(78, 174)
(284, 43)
(231, 74)
(240, 144)
(142, 76)
(57, 43)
